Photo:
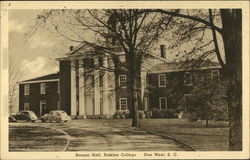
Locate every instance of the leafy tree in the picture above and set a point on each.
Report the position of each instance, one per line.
(206, 100)
(231, 33)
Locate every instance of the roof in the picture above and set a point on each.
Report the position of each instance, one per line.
(49, 77)
(182, 66)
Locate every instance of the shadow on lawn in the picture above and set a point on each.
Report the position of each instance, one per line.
(34, 138)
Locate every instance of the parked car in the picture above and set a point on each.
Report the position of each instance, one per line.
(56, 115)
(12, 118)
(27, 115)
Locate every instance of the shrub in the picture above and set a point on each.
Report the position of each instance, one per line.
(141, 114)
(156, 113)
(121, 114)
(169, 113)
(148, 114)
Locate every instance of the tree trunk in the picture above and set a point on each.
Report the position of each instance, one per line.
(135, 115)
(206, 121)
(133, 71)
(232, 38)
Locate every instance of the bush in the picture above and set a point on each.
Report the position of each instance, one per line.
(169, 113)
(156, 113)
(142, 114)
(121, 114)
(148, 114)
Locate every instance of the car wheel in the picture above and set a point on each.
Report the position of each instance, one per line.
(28, 120)
(43, 120)
(58, 120)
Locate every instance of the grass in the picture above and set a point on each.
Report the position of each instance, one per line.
(35, 138)
(195, 134)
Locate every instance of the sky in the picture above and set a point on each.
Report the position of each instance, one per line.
(33, 56)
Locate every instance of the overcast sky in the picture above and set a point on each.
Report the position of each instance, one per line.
(36, 55)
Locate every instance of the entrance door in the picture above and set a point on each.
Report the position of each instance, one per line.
(89, 103)
(42, 107)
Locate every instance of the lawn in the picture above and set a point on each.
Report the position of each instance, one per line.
(195, 134)
(35, 138)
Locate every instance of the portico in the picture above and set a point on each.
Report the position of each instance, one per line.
(92, 86)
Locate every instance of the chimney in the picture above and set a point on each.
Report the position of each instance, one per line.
(163, 51)
(71, 48)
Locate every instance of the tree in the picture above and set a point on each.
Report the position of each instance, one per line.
(129, 24)
(206, 100)
(14, 77)
(231, 33)
(131, 30)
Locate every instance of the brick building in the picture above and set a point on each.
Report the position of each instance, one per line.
(92, 85)
(40, 94)
(170, 83)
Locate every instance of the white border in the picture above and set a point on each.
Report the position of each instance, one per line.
(5, 6)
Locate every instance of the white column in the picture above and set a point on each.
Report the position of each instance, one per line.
(143, 81)
(73, 88)
(112, 88)
(81, 89)
(105, 87)
(96, 88)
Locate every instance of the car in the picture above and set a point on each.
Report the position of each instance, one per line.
(56, 115)
(27, 115)
(12, 118)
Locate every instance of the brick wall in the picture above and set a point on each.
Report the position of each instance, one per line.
(51, 97)
(175, 88)
(65, 89)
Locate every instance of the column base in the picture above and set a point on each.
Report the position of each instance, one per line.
(91, 116)
(107, 116)
(78, 116)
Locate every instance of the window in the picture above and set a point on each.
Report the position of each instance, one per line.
(26, 89)
(26, 106)
(162, 80)
(163, 102)
(215, 74)
(88, 63)
(42, 88)
(188, 79)
(123, 104)
(122, 81)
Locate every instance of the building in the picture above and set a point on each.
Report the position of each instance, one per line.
(170, 83)
(90, 84)
(40, 94)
